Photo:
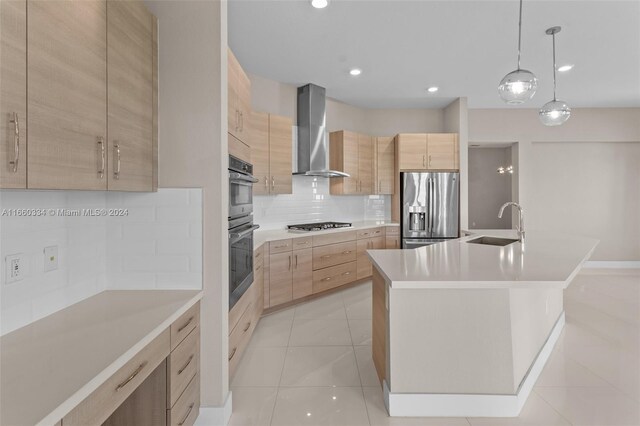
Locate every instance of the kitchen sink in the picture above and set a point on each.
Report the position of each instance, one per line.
(492, 241)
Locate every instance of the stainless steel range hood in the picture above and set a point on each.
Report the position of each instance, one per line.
(313, 144)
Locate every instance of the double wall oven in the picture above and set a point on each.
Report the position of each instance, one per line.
(241, 228)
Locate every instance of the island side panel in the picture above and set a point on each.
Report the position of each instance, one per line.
(379, 325)
(534, 313)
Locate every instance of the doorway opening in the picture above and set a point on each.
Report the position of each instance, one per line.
(493, 180)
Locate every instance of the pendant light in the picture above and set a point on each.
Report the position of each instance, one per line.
(520, 85)
(555, 112)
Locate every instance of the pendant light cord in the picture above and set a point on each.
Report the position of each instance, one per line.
(553, 36)
(519, 33)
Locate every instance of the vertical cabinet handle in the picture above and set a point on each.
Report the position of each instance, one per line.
(102, 157)
(296, 261)
(241, 121)
(237, 120)
(429, 161)
(266, 183)
(116, 172)
(289, 262)
(273, 182)
(16, 142)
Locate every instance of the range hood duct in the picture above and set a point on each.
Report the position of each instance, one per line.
(313, 144)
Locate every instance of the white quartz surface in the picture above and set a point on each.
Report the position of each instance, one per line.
(51, 365)
(545, 260)
(262, 236)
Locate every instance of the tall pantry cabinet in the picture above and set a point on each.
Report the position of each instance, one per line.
(83, 130)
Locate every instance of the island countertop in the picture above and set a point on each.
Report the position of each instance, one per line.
(546, 260)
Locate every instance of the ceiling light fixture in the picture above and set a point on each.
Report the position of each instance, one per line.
(565, 68)
(520, 85)
(555, 112)
(432, 89)
(319, 4)
(355, 71)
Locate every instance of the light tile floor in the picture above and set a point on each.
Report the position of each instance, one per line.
(311, 364)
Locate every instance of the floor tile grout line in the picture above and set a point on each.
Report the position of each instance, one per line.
(551, 406)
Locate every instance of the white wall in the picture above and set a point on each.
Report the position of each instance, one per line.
(488, 190)
(311, 202)
(560, 168)
(155, 244)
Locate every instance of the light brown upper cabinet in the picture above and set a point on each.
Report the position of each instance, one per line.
(271, 153)
(13, 93)
(351, 153)
(130, 58)
(67, 95)
(239, 100)
(384, 165)
(433, 151)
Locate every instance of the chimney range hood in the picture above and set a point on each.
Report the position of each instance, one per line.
(312, 144)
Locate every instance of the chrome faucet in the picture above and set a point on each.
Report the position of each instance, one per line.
(520, 226)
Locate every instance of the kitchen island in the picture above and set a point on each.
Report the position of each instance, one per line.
(464, 329)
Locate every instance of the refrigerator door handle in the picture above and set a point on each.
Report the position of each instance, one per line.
(432, 210)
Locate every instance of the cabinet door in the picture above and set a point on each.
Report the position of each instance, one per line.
(363, 263)
(280, 142)
(280, 276)
(13, 94)
(441, 151)
(392, 242)
(260, 152)
(365, 164)
(350, 162)
(412, 150)
(67, 96)
(385, 160)
(302, 273)
(233, 113)
(130, 94)
(243, 103)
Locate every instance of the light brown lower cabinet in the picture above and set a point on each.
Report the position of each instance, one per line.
(280, 278)
(364, 264)
(243, 318)
(392, 242)
(333, 276)
(302, 273)
(186, 409)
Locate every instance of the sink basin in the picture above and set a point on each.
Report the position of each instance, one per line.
(492, 241)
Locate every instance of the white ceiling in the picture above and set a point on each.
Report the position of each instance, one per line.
(464, 47)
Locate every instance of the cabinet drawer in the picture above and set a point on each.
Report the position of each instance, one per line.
(280, 246)
(302, 243)
(183, 325)
(392, 230)
(239, 337)
(241, 305)
(184, 363)
(334, 276)
(98, 406)
(392, 242)
(186, 409)
(337, 237)
(370, 233)
(333, 254)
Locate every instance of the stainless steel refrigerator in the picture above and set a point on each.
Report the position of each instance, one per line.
(430, 208)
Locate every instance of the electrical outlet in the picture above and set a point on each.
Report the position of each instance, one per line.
(50, 258)
(15, 268)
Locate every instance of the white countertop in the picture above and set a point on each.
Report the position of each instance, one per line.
(51, 365)
(262, 236)
(547, 260)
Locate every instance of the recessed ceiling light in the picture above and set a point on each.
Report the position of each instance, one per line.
(432, 89)
(355, 71)
(319, 4)
(565, 68)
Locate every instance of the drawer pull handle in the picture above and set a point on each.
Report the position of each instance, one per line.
(16, 142)
(258, 267)
(132, 376)
(247, 327)
(186, 416)
(347, 273)
(186, 325)
(365, 233)
(326, 279)
(326, 256)
(102, 157)
(233, 352)
(186, 365)
(116, 172)
(346, 252)
(286, 245)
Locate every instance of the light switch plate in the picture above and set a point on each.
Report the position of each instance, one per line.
(50, 258)
(14, 265)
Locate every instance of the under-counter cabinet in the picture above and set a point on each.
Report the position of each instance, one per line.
(271, 153)
(422, 151)
(89, 98)
(392, 237)
(351, 153)
(368, 239)
(13, 94)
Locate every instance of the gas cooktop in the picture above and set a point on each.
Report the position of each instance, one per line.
(319, 226)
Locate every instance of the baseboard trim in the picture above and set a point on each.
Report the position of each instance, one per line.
(215, 416)
(612, 264)
(460, 405)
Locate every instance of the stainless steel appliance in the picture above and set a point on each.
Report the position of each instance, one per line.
(241, 228)
(318, 226)
(430, 208)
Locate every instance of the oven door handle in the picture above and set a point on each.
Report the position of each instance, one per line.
(234, 176)
(237, 235)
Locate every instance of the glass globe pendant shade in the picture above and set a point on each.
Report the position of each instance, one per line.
(554, 113)
(518, 87)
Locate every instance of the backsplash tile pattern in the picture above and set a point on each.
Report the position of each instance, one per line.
(158, 245)
(312, 202)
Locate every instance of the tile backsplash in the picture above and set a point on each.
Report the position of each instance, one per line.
(312, 202)
(156, 244)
